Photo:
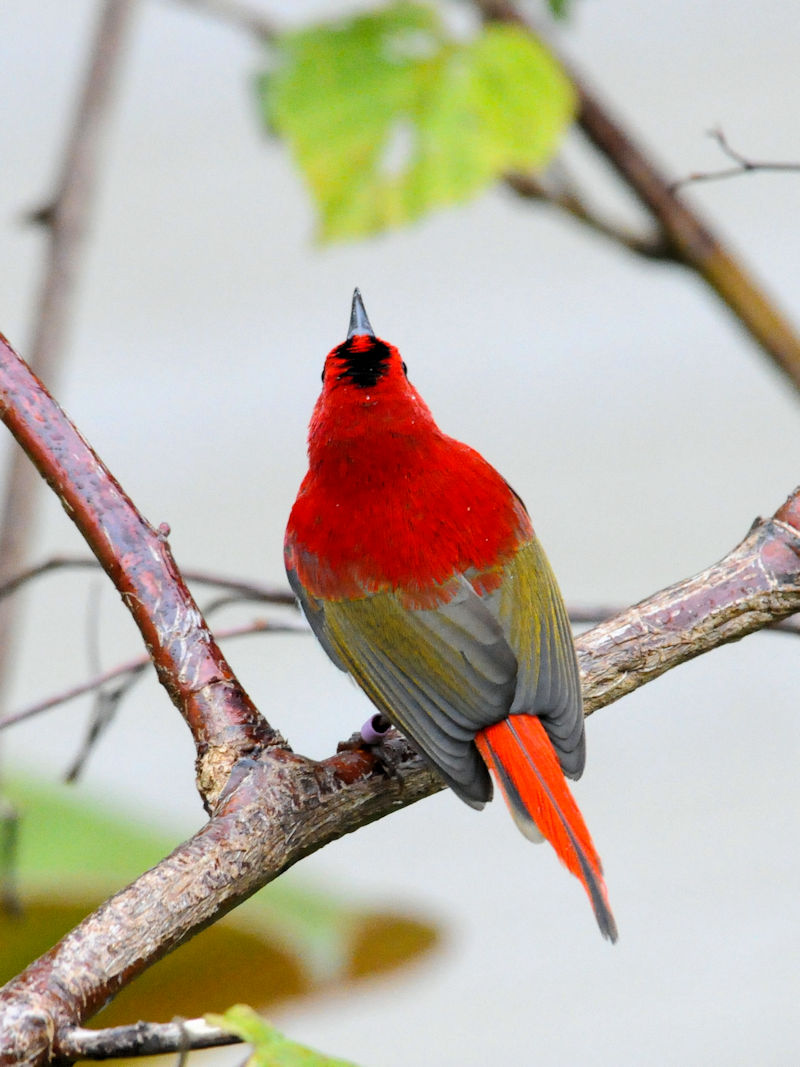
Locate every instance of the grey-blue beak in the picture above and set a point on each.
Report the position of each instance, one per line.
(359, 323)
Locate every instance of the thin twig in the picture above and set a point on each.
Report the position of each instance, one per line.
(744, 165)
(243, 15)
(135, 667)
(567, 199)
(243, 588)
(10, 902)
(143, 1039)
(66, 219)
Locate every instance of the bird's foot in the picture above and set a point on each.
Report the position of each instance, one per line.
(375, 729)
(372, 736)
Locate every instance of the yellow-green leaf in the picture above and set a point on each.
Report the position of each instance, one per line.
(388, 118)
(270, 1047)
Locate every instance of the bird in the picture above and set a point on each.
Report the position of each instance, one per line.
(418, 569)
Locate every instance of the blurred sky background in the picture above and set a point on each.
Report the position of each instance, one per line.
(642, 427)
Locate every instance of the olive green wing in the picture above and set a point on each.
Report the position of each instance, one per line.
(314, 611)
(531, 611)
(440, 674)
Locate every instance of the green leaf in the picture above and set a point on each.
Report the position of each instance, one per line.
(270, 1047)
(388, 119)
(68, 841)
(559, 8)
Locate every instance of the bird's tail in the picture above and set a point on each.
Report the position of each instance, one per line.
(522, 759)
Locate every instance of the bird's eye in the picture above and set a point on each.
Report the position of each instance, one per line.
(322, 376)
(405, 369)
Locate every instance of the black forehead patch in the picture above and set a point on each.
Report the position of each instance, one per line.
(362, 360)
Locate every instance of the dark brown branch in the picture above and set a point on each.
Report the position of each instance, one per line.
(143, 1039)
(224, 723)
(693, 240)
(66, 220)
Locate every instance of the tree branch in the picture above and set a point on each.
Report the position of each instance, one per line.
(743, 165)
(225, 724)
(243, 588)
(143, 1039)
(565, 196)
(694, 242)
(66, 220)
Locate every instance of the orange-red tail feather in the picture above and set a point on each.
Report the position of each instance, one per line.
(522, 759)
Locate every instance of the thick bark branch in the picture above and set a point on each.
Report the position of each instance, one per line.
(752, 587)
(224, 722)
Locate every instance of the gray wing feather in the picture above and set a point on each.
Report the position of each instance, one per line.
(441, 674)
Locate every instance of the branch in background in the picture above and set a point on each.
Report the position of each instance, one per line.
(9, 841)
(133, 669)
(692, 239)
(241, 588)
(243, 15)
(743, 165)
(144, 1039)
(66, 219)
(566, 197)
(225, 724)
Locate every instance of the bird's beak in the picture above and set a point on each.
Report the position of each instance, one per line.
(359, 323)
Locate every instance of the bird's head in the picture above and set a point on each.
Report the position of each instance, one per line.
(363, 365)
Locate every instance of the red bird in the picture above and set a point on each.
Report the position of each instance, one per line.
(418, 569)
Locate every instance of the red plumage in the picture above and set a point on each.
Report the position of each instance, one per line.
(524, 762)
